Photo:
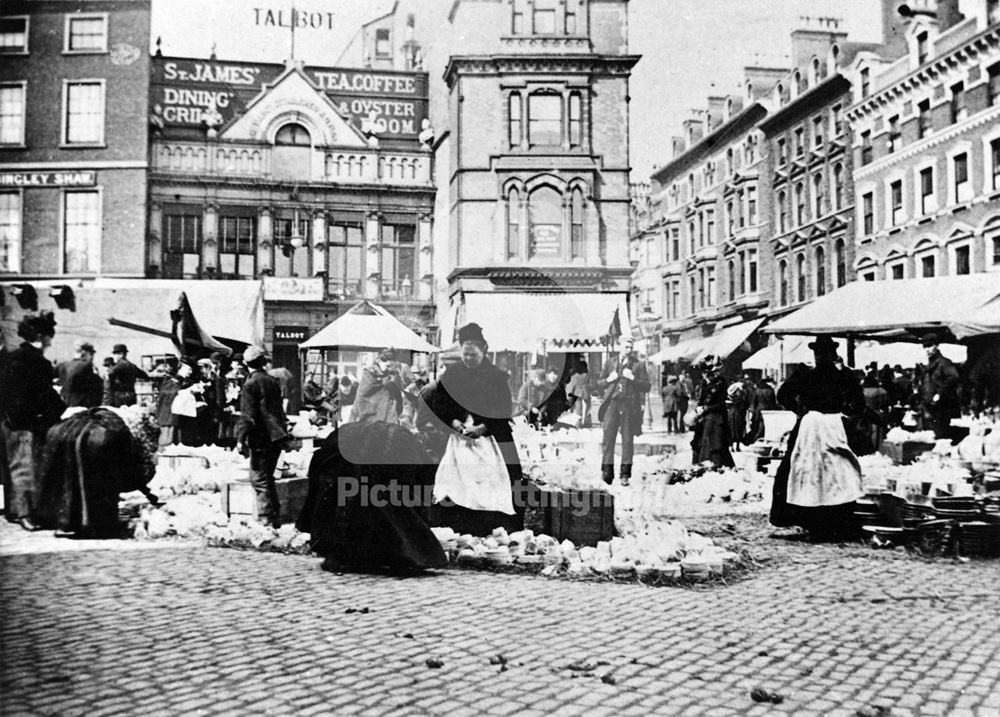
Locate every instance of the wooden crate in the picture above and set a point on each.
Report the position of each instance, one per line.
(238, 498)
(582, 516)
(906, 452)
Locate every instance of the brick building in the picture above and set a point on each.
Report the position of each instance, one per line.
(926, 143)
(74, 79)
(703, 232)
(809, 202)
(533, 202)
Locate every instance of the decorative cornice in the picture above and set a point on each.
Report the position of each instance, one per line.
(563, 64)
(942, 65)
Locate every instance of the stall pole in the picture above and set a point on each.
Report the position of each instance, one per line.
(850, 350)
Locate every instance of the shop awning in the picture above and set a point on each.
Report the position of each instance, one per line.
(563, 322)
(367, 327)
(965, 305)
(682, 350)
(140, 310)
(231, 310)
(795, 350)
(725, 341)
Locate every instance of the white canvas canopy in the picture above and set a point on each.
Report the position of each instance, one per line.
(368, 327)
(795, 350)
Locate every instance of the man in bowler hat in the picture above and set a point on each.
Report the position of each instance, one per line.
(625, 382)
(122, 377)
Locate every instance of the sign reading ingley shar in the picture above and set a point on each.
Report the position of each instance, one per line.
(186, 91)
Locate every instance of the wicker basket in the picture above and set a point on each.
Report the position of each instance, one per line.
(934, 537)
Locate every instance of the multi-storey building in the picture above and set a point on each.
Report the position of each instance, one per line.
(314, 178)
(533, 167)
(809, 202)
(926, 142)
(74, 79)
(704, 225)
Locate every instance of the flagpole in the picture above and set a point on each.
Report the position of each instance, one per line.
(293, 32)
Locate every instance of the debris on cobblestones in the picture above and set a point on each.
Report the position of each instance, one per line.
(761, 694)
(873, 711)
(434, 663)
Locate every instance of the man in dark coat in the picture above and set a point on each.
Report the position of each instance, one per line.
(80, 384)
(165, 401)
(625, 382)
(30, 406)
(122, 377)
(939, 388)
(262, 432)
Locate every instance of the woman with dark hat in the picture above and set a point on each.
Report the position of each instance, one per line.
(711, 442)
(472, 400)
(819, 477)
(30, 406)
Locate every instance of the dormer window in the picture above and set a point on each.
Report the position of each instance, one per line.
(865, 82)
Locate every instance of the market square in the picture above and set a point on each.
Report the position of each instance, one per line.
(500, 357)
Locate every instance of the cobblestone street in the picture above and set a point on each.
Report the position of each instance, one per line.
(189, 630)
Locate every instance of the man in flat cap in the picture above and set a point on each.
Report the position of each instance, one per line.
(939, 389)
(78, 381)
(122, 377)
(262, 432)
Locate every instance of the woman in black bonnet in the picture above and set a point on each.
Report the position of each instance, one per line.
(472, 398)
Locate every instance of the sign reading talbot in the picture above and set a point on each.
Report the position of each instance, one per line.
(186, 91)
(290, 334)
(48, 179)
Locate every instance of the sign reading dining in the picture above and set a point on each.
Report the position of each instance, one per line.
(185, 92)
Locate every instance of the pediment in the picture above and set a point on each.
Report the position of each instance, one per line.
(292, 97)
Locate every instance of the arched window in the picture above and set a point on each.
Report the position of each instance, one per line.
(834, 58)
(292, 150)
(817, 196)
(729, 161)
(514, 119)
(838, 186)
(729, 109)
(800, 277)
(841, 260)
(693, 293)
(731, 277)
(797, 83)
(576, 225)
(513, 223)
(545, 216)
(820, 271)
(782, 213)
(781, 93)
(783, 283)
(817, 70)
(293, 134)
(749, 91)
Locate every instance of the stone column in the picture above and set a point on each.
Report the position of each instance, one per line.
(210, 238)
(265, 241)
(373, 260)
(319, 249)
(154, 243)
(424, 284)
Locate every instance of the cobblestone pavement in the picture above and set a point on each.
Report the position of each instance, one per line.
(201, 631)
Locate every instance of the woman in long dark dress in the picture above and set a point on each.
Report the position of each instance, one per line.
(475, 389)
(712, 431)
(368, 490)
(829, 389)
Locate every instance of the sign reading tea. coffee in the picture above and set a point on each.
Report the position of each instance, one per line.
(187, 92)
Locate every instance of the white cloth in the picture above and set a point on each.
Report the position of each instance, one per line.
(473, 474)
(824, 470)
(185, 404)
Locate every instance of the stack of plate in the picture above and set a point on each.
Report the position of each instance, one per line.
(960, 509)
(695, 567)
